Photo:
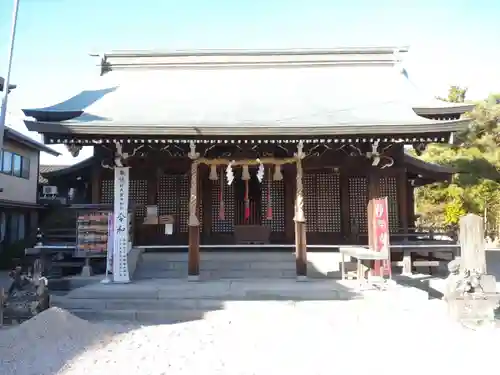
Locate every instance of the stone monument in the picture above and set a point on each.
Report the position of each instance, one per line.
(470, 292)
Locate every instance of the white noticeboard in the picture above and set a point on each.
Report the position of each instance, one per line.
(120, 226)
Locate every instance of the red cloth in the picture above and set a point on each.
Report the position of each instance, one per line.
(247, 202)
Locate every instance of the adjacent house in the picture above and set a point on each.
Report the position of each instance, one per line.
(20, 159)
(19, 165)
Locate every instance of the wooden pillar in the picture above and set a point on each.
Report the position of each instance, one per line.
(300, 220)
(410, 193)
(344, 207)
(402, 185)
(95, 183)
(373, 184)
(194, 223)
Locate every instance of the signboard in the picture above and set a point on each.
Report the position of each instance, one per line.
(120, 226)
(379, 234)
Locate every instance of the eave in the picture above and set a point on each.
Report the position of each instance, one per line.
(444, 110)
(15, 136)
(63, 170)
(2, 84)
(246, 130)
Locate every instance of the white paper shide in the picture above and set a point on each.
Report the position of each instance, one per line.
(120, 226)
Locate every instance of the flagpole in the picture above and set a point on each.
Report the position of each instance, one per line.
(3, 110)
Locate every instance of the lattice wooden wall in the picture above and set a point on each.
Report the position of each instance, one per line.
(310, 201)
(226, 225)
(173, 199)
(322, 202)
(389, 188)
(277, 223)
(107, 192)
(329, 207)
(138, 194)
(358, 203)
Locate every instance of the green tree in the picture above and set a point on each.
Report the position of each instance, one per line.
(476, 157)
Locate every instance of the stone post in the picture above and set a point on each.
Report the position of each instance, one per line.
(472, 243)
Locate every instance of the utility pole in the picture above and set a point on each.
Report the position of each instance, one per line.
(3, 110)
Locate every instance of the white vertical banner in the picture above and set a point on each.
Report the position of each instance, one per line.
(121, 226)
(109, 254)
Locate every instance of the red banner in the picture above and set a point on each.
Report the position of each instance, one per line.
(380, 234)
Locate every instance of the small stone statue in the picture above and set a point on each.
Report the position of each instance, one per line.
(453, 280)
(26, 296)
(471, 296)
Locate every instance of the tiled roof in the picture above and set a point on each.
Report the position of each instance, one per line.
(53, 170)
(298, 92)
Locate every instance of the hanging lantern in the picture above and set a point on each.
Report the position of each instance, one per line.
(213, 173)
(278, 176)
(230, 173)
(245, 174)
(260, 171)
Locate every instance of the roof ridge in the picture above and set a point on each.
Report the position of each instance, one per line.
(155, 59)
(262, 52)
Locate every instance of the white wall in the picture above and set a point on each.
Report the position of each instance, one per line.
(19, 189)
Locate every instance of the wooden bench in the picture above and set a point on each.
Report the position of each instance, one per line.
(428, 250)
(361, 254)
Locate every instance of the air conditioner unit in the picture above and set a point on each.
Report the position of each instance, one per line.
(50, 190)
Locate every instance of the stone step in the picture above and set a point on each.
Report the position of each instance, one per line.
(139, 316)
(223, 256)
(277, 288)
(167, 265)
(200, 303)
(236, 265)
(146, 273)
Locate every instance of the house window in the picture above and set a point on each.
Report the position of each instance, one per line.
(21, 226)
(25, 172)
(14, 227)
(3, 226)
(15, 164)
(7, 162)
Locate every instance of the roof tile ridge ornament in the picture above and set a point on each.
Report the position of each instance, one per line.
(398, 61)
(104, 66)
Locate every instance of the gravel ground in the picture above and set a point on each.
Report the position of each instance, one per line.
(310, 339)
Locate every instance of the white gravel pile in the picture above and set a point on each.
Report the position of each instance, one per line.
(43, 344)
(340, 337)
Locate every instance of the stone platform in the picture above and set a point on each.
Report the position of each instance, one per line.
(174, 300)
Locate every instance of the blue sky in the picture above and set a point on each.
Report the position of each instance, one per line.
(451, 42)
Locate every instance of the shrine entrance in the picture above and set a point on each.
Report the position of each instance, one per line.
(248, 199)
